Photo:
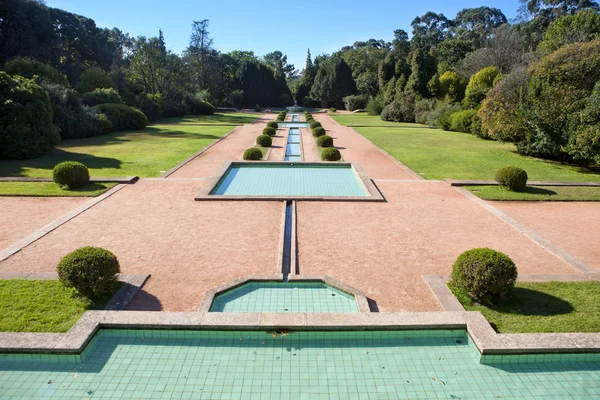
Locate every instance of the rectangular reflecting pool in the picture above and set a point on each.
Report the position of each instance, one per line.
(159, 364)
(290, 180)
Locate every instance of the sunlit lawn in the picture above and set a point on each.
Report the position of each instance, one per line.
(51, 189)
(42, 306)
(438, 154)
(145, 153)
(543, 307)
(538, 193)
(215, 119)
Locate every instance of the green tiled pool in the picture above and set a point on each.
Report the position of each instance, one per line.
(131, 364)
(284, 297)
(290, 179)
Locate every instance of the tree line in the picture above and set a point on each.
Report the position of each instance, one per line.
(534, 82)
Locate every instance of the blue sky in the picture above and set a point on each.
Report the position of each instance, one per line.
(263, 26)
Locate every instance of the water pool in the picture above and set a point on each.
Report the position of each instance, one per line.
(284, 297)
(299, 365)
(293, 124)
(290, 179)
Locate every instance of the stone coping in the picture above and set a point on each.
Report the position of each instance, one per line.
(131, 284)
(43, 231)
(490, 342)
(199, 153)
(484, 337)
(125, 180)
(454, 182)
(359, 296)
(374, 193)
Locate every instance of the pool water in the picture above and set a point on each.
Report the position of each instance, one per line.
(148, 364)
(284, 297)
(270, 179)
(293, 150)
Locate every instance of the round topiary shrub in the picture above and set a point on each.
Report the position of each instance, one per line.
(264, 141)
(331, 154)
(487, 275)
(513, 178)
(325, 141)
(269, 131)
(272, 124)
(318, 131)
(252, 154)
(279, 119)
(315, 124)
(311, 119)
(91, 271)
(71, 174)
(332, 109)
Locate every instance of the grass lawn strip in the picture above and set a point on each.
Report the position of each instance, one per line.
(233, 119)
(543, 307)
(42, 306)
(145, 153)
(437, 154)
(51, 189)
(537, 193)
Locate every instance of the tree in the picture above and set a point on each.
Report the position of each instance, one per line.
(479, 85)
(583, 26)
(333, 82)
(278, 61)
(28, 68)
(94, 78)
(26, 129)
(429, 30)
(259, 84)
(549, 10)
(199, 50)
(482, 21)
(423, 69)
(154, 68)
(504, 51)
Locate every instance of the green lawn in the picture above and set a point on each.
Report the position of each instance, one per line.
(438, 154)
(42, 306)
(51, 189)
(543, 307)
(219, 119)
(538, 193)
(145, 153)
(364, 119)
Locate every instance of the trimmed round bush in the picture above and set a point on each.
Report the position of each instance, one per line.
(272, 124)
(318, 131)
(513, 178)
(269, 131)
(331, 154)
(311, 119)
(252, 154)
(70, 174)
(264, 141)
(314, 124)
(332, 109)
(325, 141)
(122, 117)
(486, 274)
(91, 271)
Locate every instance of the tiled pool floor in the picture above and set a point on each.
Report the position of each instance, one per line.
(301, 365)
(284, 297)
(247, 179)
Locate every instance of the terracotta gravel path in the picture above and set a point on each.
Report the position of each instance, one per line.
(230, 148)
(22, 216)
(574, 226)
(156, 227)
(384, 248)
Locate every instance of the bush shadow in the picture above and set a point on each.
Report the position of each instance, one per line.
(538, 190)
(49, 160)
(144, 301)
(529, 302)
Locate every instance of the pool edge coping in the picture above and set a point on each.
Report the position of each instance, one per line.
(374, 194)
(487, 341)
(362, 304)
